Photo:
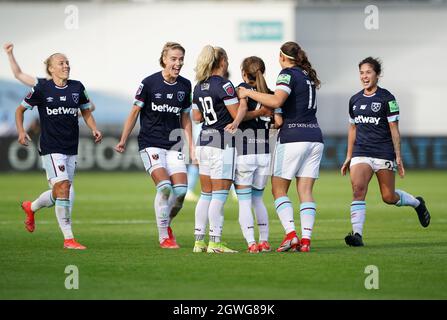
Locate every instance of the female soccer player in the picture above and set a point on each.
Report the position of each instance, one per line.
(374, 147)
(215, 102)
(31, 81)
(253, 157)
(300, 142)
(58, 101)
(163, 102)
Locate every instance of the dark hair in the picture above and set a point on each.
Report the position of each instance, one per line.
(294, 52)
(374, 62)
(254, 68)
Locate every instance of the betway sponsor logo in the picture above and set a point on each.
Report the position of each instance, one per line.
(364, 119)
(165, 108)
(62, 110)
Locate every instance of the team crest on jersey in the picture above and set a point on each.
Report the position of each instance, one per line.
(75, 97)
(61, 168)
(181, 95)
(30, 94)
(155, 156)
(229, 89)
(375, 106)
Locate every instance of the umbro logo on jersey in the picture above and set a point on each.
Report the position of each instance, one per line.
(50, 99)
(63, 98)
(375, 106)
(62, 111)
(363, 107)
(354, 107)
(158, 96)
(363, 119)
(165, 108)
(169, 95)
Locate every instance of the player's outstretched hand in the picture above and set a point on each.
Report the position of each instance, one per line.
(400, 167)
(23, 138)
(120, 147)
(242, 92)
(231, 127)
(98, 136)
(345, 167)
(8, 47)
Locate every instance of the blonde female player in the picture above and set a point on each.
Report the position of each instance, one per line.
(215, 103)
(58, 101)
(163, 103)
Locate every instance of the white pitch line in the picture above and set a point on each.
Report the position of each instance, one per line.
(87, 222)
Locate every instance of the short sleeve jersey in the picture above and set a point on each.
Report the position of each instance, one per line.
(300, 108)
(161, 105)
(58, 112)
(371, 116)
(212, 97)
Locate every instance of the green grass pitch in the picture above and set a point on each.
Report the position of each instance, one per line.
(114, 216)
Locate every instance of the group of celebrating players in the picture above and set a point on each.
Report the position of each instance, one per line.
(235, 145)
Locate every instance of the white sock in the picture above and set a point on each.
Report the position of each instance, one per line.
(45, 200)
(358, 216)
(284, 210)
(71, 197)
(307, 216)
(262, 217)
(164, 190)
(201, 215)
(63, 216)
(245, 215)
(406, 199)
(215, 215)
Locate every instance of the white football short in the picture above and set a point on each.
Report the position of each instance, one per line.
(59, 167)
(297, 159)
(155, 158)
(376, 164)
(216, 163)
(253, 170)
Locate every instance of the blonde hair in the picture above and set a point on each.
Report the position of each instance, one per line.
(208, 60)
(169, 46)
(48, 62)
(254, 68)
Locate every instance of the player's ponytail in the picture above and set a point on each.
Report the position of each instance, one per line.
(298, 56)
(254, 68)
(208, 60)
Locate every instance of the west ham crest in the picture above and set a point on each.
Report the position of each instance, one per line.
(75, 97)
(155, 156)
(61, 168)
(180, 96)
(375, 106)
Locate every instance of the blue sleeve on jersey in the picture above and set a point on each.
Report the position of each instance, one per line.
(277, 111)
(141, 95)
(228, 94)
(34, 98)
(284, 81)
(84, 101)
(392, 109)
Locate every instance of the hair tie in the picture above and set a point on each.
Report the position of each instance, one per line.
(286, 55)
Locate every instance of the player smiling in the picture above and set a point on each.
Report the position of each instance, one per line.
(374, 148)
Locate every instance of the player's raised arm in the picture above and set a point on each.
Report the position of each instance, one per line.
(16, 70)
